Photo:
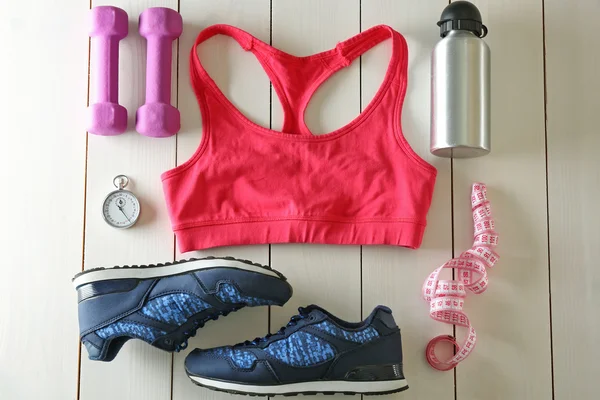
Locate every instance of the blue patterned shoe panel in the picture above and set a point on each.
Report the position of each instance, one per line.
(228, 293)
(362, 336)
(301, 349)
(241, 358)
(132, 329)
(174, 309)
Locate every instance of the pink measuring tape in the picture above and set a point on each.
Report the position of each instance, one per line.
(447, 297)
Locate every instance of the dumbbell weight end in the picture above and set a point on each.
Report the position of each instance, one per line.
(107, 119)
(157, 120)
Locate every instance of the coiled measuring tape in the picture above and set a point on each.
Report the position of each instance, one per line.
(447, 297)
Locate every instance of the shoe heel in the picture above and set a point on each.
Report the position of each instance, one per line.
(94, 289)
(375, 373)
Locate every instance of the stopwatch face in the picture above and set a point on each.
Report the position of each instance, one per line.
(121, 209)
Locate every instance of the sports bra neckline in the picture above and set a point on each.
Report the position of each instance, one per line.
(344, 52)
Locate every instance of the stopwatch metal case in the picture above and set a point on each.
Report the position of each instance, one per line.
(120, 182)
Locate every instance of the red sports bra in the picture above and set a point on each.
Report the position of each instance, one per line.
(361, 184)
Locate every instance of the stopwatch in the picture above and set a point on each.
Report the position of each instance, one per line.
(121, 209)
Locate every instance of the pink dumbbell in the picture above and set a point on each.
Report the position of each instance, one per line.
(108, 25)
(158, 118)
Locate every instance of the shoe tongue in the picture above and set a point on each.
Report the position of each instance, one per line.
(103, 350)
(93, 351)
(313, 308)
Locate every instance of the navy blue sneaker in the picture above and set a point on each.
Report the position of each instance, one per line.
(165, 304)
(315, 353)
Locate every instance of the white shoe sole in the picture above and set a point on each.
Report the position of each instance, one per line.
(355, 387)
(147, 272)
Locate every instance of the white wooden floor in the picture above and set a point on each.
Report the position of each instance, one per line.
(537, 322)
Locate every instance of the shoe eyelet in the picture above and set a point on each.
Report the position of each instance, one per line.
(312, 318)
(168, 342)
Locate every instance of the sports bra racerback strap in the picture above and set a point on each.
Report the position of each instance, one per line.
(295, 79)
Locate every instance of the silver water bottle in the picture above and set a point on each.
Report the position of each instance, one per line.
(460, 85)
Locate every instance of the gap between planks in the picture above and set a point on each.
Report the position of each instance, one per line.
(545, 77)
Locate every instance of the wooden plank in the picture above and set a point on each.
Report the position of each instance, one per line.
(139, 371)
(572, 88)
(325, 275)
(512, 358)
(242, 79)
(42, 158)
(393, 276)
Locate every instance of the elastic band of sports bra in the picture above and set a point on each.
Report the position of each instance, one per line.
(446, 297)
(300, 230)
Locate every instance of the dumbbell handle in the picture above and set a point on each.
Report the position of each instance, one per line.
(158, 70)
(106, 72)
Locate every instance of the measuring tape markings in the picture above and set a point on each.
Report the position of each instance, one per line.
(446, 297)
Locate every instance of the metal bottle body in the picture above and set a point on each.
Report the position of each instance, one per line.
(460, 96)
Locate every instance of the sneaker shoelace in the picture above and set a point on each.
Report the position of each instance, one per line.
(199, 323)
(302, 314)
(447, 297)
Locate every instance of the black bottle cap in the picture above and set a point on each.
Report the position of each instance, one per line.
(461, 15)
